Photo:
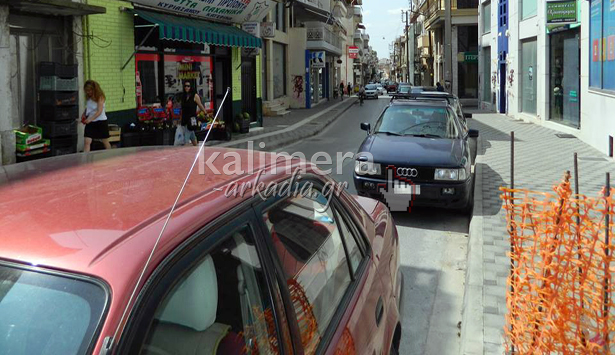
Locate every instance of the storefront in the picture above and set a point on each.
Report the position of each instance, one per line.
(563, 28)
(211, 56)
(529, 78)
(39, 67)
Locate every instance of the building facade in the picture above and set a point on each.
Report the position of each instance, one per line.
(551, 63)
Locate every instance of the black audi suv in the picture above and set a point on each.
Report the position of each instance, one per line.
(422, 143)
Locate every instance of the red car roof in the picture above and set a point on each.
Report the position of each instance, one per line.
(72, 212)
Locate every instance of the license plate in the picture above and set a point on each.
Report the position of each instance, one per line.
(407, 189)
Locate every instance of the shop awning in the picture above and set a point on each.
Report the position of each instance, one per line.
(197, 31)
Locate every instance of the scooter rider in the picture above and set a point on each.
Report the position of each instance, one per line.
(361, 94)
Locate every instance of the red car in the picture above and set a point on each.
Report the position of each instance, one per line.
(285, 273)
(391, 87)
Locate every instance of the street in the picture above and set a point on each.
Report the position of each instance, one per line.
(433, 244)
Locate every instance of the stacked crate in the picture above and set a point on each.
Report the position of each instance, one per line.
(59, 106)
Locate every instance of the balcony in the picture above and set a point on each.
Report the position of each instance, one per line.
(321, 38)
(422, 41)
(339, 9)
(358, 13)
(358, 38)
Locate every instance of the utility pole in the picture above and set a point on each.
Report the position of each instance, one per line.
(448, 56)
(407, 13)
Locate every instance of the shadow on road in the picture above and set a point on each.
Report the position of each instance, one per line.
(433, 219)
(420, 304)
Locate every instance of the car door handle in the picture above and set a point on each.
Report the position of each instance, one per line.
(379, 311)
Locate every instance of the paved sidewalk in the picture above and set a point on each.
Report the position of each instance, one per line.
(541, 159)
(299, 124)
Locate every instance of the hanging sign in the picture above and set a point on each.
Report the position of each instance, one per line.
(268, 29)
(353, 52)
(234, 11)
(318, 60)
(253, 28)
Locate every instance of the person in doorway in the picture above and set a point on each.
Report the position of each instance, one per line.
(186, 131)
(342, 90)
(349, 89)
(439, 87)
(94, 117)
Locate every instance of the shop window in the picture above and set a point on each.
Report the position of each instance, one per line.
(197, 69)
(467, 64)
(147, 79)
(528, 76)
(486, 17)
(279, 70)
(564, 78)
(529, 8)
(602, 41)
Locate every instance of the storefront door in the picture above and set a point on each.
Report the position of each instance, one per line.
(222, 81)
(564, 80)
(248, 87)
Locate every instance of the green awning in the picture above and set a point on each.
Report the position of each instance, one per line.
(197, 31)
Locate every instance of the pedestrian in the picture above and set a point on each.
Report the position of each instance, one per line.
(342, 90)
(349, 89)
(188, 124)
(439, 87)
(94, 117)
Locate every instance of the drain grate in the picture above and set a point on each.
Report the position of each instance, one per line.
(565, 135)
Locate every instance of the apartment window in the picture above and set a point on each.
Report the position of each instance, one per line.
(529, 8)
(602, 41)
(279, 70)
(529, 76)
(467, 4)
(486, 17)
(280, 17)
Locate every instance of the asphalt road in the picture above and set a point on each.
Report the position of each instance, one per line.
(433, 243)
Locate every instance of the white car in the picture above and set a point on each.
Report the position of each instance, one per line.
(381, 89)
(371, 91)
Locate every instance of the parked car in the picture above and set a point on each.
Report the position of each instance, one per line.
(391, 87)
(230, 275)
(404, 88)
(424, 143)
(371, 91)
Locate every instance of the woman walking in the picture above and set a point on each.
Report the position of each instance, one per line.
(342, 90)
(189, 100)
(94, 116)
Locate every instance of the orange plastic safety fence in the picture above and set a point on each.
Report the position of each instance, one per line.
(561, 294)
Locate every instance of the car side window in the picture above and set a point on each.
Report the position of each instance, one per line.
(221, 305)
(354, 252)
(308, 242)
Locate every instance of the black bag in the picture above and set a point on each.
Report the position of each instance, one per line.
(193, 124)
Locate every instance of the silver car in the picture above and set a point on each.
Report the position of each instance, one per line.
(371, 91)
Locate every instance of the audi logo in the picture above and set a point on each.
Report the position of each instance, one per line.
(407, 172)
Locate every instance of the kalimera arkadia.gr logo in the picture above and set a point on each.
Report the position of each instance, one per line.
(399, 191)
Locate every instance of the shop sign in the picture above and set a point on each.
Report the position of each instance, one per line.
(318, 60)
(353, 52)
(267, 29)
(253, 28)
(234, 11)
(561, 12)
(467, 57)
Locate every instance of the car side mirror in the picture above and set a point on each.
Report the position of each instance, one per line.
(467, 115)
(473, 133)
(366, 127)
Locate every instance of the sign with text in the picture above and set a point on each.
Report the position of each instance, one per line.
(253, 28)
(234, 11)
(561, 12)
(467, 57)
(353, 52)
(317, 60)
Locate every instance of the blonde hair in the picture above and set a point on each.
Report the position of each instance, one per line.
(97, 92)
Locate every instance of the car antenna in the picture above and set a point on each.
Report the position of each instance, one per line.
(108, 343)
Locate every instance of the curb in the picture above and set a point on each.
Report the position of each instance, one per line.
(472, 324)
(281, 138)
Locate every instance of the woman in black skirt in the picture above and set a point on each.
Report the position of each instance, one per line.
(94, 117)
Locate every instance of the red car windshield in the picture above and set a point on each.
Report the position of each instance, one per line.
(42, 313)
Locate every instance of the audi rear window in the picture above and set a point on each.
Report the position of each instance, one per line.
(44, 313)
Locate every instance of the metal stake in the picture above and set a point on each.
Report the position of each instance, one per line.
(512, 241)
(607, 226)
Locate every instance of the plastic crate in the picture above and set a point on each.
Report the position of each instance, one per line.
(55, 83)
(57, 69)
(54, 129)
(33, 155)
(59, 113)
(58, 98)
(26, 148)
(131, 139)
(55, 151)
(63, 145)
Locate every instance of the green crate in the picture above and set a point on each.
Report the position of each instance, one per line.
(28, 135)
(23, 148)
